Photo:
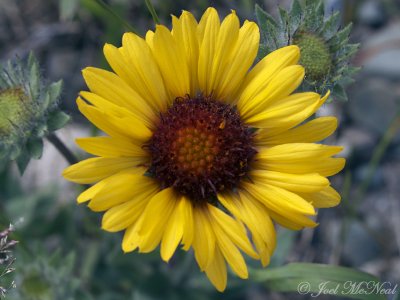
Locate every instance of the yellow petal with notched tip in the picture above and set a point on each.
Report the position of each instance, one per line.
(162, 204)
(174, 230)
(204, 240)
(216, 271)
(325, 198)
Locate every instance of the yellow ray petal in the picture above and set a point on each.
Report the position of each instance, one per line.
(281, 86)
(325, 198)
(279, 200)
(111, 147)
(188, 234)
(118, 126)
(131, 238)
(297, 151)
(289, 110)
(149, 39)
(297, 222)
(155, 218)
(174, 230)
(231, 253)
(233, 230)
(216, 271)
(95, 169)
(209, 16)
(265, 70)
(313, 131)
(305, 183)
(147, 78)
(171, 60)
(112, 88)
(223, 54)
(185, 33)
(283, 206)
(123, 215)
(208, 33)
(256, 217)
(90, 192)
(204, 238)
(238, 62)
(121, 188)
(296, 159)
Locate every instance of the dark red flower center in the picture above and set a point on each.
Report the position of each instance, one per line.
(200, 147)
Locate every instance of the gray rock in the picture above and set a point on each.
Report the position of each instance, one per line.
(356, 140)
(380, 54)
(374, 103)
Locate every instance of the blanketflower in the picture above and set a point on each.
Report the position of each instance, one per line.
(202, 149)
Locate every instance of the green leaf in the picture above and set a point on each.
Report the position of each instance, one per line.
(268, 25)
(57, 120)
(34, 76)
(310, 279)
(35, 148)
(296, 14)
(339, 91)
(330, 26)
(54, 91)
(296, 11)
(22, 162)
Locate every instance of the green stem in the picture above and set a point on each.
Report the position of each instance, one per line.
(60, 146)
(109, 9)
(152, 11)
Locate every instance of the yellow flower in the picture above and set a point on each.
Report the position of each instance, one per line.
(203, 150)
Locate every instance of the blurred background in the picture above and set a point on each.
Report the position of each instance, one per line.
(62, 252)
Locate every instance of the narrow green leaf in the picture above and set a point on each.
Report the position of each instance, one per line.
(57, 120)
(22, 162)
(311, 279)
(35, 148)
(152, 11)
(331, 25)
(34, 77)
(296, 15)
(54, 91)
(296, 11)
(262, 16)
(268, 28)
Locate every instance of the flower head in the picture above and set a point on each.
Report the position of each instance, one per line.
(28, 111)
(325, 49)
(202, 150)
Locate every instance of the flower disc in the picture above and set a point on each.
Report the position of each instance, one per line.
(200, 147)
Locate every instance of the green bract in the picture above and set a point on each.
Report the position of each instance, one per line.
(325, 48)
(28, 111)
